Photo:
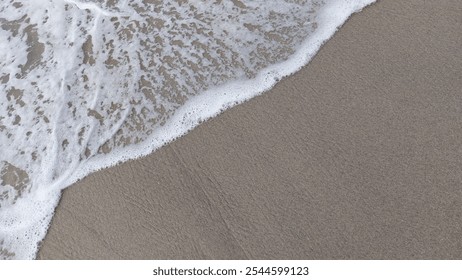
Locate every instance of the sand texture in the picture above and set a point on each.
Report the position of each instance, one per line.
(357, 156)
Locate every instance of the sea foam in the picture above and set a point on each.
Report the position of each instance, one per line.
(88, 84)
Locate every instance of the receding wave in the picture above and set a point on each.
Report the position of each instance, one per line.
(87, 84)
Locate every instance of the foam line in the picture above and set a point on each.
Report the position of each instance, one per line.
(91, 73)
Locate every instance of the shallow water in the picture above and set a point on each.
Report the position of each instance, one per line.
(87, 84)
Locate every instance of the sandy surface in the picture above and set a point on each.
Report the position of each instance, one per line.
(359, 155)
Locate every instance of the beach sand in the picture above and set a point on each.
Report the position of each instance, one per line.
(357, 156)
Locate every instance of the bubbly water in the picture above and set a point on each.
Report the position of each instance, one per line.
(87, 84)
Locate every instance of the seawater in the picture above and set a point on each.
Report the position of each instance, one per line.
(87, 84)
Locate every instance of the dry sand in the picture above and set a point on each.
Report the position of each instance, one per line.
(359, 155)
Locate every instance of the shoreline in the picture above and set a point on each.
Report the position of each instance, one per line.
(364, 139)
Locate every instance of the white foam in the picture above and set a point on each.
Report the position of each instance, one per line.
(23, 223)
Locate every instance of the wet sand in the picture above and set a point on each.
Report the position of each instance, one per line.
(357, 156)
